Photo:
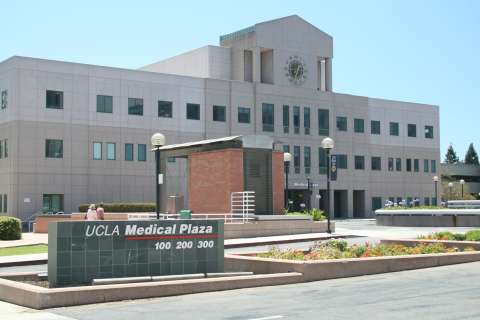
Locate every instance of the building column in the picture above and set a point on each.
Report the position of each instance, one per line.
(350, 203)
(328, 74)
(257, 68)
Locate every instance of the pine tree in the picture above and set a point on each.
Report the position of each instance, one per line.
(471, 157)
(451, 156)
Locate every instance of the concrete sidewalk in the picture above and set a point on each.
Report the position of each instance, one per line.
(28, 238)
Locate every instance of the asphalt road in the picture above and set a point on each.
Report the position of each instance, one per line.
(451, 292)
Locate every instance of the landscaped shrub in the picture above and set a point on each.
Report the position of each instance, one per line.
(122, 207)
(10, 228)
(473, 235)
(445, 235)
(316, 214)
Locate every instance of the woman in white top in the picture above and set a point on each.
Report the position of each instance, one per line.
(91, 213)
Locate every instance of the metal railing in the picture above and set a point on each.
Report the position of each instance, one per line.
(226, 217)
(243, 203)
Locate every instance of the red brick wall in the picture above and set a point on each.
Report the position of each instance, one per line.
(278, 182)
(212, 176)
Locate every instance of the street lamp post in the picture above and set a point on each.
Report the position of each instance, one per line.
(435, 180)
(158, 140)
(450, 187)
(462, 182)
(328, 144)
(287, 157)
(309, 199)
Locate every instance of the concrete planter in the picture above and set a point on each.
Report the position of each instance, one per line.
(428, 217)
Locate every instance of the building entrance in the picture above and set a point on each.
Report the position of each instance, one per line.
(358, 203)
(340, 203)
(299, 200)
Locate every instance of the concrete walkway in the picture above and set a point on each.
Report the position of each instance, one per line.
(29, 238)
(9, 311)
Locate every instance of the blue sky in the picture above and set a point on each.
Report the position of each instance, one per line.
(421, 51)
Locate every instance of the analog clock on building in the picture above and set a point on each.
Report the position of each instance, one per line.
(296, 70)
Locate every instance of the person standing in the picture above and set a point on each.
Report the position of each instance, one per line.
(100, 212)
(91, 213)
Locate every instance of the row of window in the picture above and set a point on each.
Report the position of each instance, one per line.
(375, 127)
(3, 148)
(409, 201)
(4, 101)
(3, 203)
(393, 164)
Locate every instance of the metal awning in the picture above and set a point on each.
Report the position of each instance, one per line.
(199, 143)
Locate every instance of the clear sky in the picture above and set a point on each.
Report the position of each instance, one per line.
(413, 50)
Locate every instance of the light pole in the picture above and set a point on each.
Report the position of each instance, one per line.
(287, 157)
(435, 180)
(309, 195)
(462, 182)
(158, 140)
(450, 187)
(327, 145)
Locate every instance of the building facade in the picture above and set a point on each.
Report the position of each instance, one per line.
(73, 133)
(460, 171)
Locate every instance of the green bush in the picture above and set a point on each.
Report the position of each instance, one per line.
(316, 214)
(10, 228)
(473, 235)
(122, 207)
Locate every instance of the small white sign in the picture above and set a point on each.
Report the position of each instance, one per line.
(27, 200)
(160, 178)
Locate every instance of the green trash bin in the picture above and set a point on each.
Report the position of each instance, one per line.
(185, 214)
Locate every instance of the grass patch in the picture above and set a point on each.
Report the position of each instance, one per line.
(16, 251)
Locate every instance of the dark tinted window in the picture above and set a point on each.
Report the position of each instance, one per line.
(243, 115)
(193, 111)
(53, 148)
(165, 109)
(104, 104)
(135, 106)
(54, 99)
(219, 113)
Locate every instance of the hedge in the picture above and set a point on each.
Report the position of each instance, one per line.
(10, 228)
(122, 207)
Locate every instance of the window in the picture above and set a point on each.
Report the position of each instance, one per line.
(165, 109)
(5, 203)
(54, 99)
(425, 166)
(427, 201)
(171, 159)
(53, 148)
(412, 130)
(5, 148)
(433, 166)
(97, 151)
(52, 203)
(359, 162)
(409, 165)
(323, 122)
(111, 151)
(375, 127)
(243, 115)
(142, 152)
(128, 151)
(376, 203)
(398, 164)
(416, 165)
(342, 123)
(1, 149)
(322, 161)
(342, 162)
(296, 120)
(268, 117)
(193, 111)
(306, 159)
(358, 125)
(296, 158)
(4, 99)
(219, 113)
(286, 119)
(394, 129)
(429, 132)
(390, 164)
(306, 120)
(286, 148)
(104, 104)
(434, 201)
(376, 163)
(135, 106)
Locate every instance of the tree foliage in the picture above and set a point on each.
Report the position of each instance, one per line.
(471, 157)
(451, 156)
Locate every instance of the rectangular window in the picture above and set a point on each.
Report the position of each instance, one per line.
(142, 152)
(342, 123)
(219, 113)
(1, 149)
(433, 166)
(4, 99)
(434, 201)
(286, 119)
(306, 159)
(322, 161)
(412, 130)
(409, 165)
(97, 151)
(394, 129)
(54, 99)
(390, 164)
(296, 120)
(429, 132)
(104, 104)
(53, 148)
(128, 151)
(171, 159)
(376, 203)
(243, 115)
(427, 201)
(358, 125)
(5, 148)
(296, 158)
(425, 166)
(375, 127)
(5, 203)
(111, 151)
(193, 111)
(416, 165)
(165, 109)
(342, 162)
(52, 203)
(268, 117)
(376, 163)
(359, 162)
(323, 122)
(398, 164)
(306, 120)
(135, 106)
(286, 148)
